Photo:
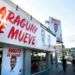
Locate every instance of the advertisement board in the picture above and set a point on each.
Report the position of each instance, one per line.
(55, 27)
(48, 40)
(17, 27)
(12, 61)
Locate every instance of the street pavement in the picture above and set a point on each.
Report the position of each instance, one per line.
(58, 70)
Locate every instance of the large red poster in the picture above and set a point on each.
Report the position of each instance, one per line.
(12, 62)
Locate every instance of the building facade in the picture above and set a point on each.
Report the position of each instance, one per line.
(24, 41)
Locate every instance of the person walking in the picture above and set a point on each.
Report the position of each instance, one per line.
(64, 63)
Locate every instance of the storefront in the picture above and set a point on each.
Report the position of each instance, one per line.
(38, 62)
(21, 41)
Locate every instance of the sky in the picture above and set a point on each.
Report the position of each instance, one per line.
(64, 10)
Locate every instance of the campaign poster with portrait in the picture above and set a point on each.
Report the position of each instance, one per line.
(12, 61)
(55, 27)
(57, 30)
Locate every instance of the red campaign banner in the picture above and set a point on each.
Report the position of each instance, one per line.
(21, 36)
(16, 19)
(14, 52)
(17, 27)
(12, 64)
(2, 16)
(14, 32)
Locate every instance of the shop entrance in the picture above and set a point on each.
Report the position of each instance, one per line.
(38, 62)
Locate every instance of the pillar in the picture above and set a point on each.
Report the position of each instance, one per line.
(27, 62)
(48, 59)
(56, 59)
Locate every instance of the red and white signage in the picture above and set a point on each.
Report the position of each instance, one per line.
(17, 28)
(12, 61)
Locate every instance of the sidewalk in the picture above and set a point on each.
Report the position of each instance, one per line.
(59, 71)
